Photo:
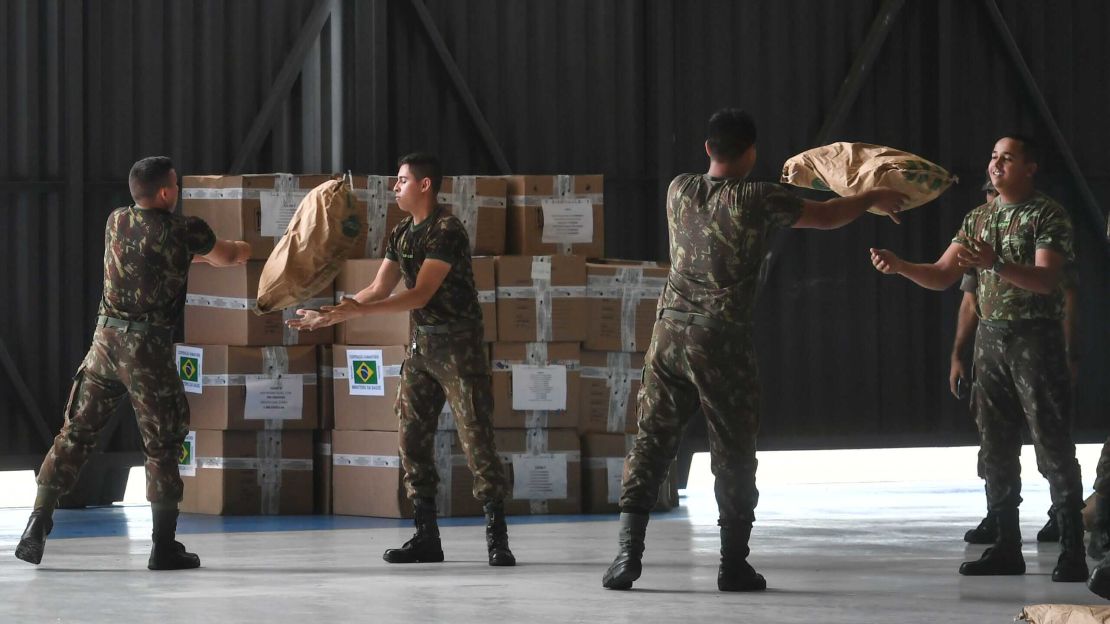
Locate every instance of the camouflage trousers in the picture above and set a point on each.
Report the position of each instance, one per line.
(1021, 376)
(454, 367)
(689, 367)
(120, 364)
(1102, 472)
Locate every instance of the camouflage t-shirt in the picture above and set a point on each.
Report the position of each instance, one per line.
(147, 252)
(719, 231)
(1017, 231)
(440, 237)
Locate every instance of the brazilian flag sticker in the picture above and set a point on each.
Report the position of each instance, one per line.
(190, 361)
(364, 372)
(187, 462)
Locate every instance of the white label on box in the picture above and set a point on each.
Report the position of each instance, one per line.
(274, 398)
(190, 365)
(540, 477)
(365, 372)
(187, 463)
(541, 268)
(614, 476)
(568, 221)
(539, 387)
(278, 209)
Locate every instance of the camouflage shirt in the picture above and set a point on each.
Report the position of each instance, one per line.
(147, 252)
(1017, 231)
(440, 237)
(719, 231)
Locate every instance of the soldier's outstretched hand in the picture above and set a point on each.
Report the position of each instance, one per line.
(885, 261)
(888, 202)
(980, 255)
(309, 320)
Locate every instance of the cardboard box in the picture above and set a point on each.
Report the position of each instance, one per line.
(366, 407)
(378, 329)
(608, 389)
(325, 388)
(603, 469)
(541, 299)
(321, 471)
(485, 281)
(557, 359)
(249, 388)
(535, 460)
(547, 213)
(623, 297)
(368, 479)
(479, 202)
(248, 473)
(219, 310)
(254, 208)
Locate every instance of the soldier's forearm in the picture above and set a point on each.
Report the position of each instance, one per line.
(1038, 279)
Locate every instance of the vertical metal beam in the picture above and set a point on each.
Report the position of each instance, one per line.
(861, 69)
(664, 97)
(34, 412)
(461, 87)
(74, 136)
(1045, 113)
(333, 76)
(381, 147)
(279, 91)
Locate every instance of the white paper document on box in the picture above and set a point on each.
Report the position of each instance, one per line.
(274, 398)
(539, 387)
(540, 477)
(614, 468)
(567, 221)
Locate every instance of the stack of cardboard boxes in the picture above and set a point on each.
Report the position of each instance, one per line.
(252, 384)
(566, 339)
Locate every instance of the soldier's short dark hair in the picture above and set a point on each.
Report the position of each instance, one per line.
(423, 165)
(731, 133)
(1030, 148)
(148, 176)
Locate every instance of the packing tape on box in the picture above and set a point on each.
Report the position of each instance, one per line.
(275, 364)
(618, 374)
(250, 463)
(378, 200)
(535, 354)
(269, 470)
(225, 303)
(629, 286)
(224, 380)
(537, 443)
(323, 449)
(391, 370)
(542, 265)
(220, 193)
(564, 188)
(446, 419)
(464, 206)
(487, 296)
(327, 371)
(444, 441)
(366, 461)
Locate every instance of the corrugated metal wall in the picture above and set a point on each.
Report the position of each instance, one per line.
(620, 87)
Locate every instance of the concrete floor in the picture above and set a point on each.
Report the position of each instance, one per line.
(846, 553)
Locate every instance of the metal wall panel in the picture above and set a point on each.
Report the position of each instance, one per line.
(618, 87)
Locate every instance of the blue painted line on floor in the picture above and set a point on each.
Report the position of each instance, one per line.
(121, 521)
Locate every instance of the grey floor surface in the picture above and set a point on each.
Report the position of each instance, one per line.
(831, 553)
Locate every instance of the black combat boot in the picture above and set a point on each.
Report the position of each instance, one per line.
(985, 533)
(1099, 582)
(1004, 557)
(424, 547)
(168, 553)
(735, 573)
(1100, 529)
(1071, 567)
(626, 568)
(1050, 532)
(497, 535)
(33, 540)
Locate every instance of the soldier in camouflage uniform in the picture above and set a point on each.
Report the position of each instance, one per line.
(967, 320)
(1099, 582)
(1018, 246)
(147, 252)
(701, 352)
(447, 357)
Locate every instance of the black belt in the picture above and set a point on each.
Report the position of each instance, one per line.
(135, 326)
(701, 320)
(449, 328)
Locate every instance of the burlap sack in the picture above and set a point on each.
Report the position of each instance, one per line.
(851, 168)
(318, 239)
(1064, 614)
